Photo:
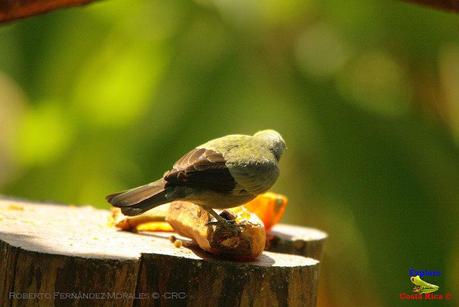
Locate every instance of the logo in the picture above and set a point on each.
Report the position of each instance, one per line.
(422, 289)
(421, 286)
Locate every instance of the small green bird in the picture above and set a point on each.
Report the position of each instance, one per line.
(222, 173)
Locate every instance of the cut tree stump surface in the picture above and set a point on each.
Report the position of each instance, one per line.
(71, 256)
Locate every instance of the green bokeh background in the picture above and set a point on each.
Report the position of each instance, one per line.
(366, 94)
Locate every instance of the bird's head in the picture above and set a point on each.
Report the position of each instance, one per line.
(273, 140)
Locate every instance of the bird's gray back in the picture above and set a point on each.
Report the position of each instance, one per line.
(249, 161)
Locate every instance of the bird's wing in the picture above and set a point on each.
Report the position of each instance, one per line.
(203, 169)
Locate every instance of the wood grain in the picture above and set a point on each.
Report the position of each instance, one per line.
(72, 257)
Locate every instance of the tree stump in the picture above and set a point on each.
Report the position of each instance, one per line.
(70, 256)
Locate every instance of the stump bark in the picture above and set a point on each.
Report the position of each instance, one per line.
(69, 256)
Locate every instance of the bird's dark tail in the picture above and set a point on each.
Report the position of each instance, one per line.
(138, 200)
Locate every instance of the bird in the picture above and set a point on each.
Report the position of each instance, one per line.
(222, 173)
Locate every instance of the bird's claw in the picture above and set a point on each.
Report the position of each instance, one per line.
(229, 226)
(230, 222)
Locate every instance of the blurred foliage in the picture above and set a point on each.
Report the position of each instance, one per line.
(366, 93)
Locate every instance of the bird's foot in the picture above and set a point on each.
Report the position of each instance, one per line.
(228, 228)
(226, 222)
